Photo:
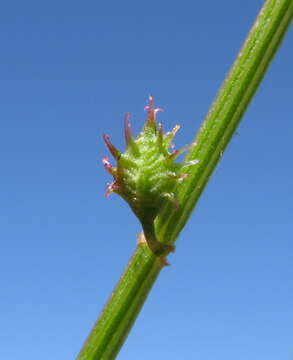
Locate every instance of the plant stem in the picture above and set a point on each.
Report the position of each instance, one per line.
(229, 106)
(246, 74)
(123, 307)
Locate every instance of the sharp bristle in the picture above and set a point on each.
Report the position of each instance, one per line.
(127, 129)
(173, 156)
(116, 154)
(169, 136)
(160, 135)
(113, 187)
(111, 170)
(152, 112)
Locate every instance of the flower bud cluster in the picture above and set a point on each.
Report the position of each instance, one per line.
(146, 173)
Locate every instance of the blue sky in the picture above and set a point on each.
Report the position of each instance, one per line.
(69, 71)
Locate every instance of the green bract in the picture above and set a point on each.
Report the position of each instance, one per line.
(146, 173)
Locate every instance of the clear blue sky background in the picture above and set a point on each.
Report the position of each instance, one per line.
(69, 71)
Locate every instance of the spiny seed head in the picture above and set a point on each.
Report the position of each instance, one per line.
(146, 173)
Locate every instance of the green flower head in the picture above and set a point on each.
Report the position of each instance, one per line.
(146, 173)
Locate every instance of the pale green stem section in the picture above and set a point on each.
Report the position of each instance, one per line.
(119, 313)
(227, 110)
(233, 98)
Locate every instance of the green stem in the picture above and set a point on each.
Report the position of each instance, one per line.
(228, 108)
(120, 312)
(123, 307)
